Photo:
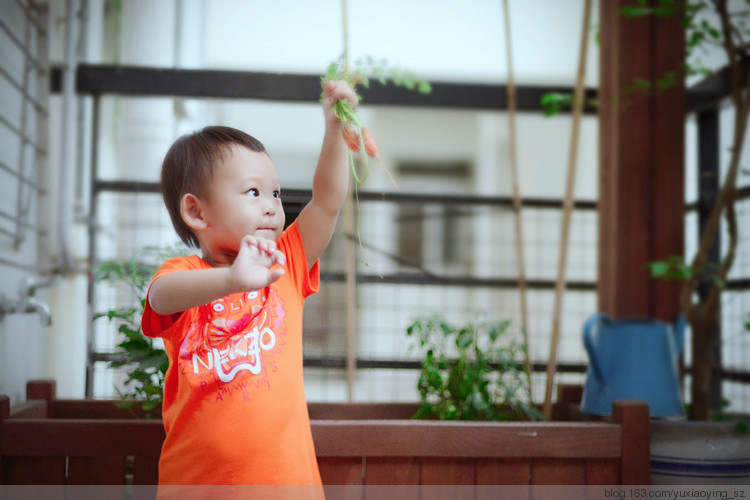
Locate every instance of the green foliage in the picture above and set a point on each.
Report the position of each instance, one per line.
(675, 268)
(554, 102)
(470, 372)
(364, 70)
(701, 31)
(720, 415)
(666, 8)
(146, 362)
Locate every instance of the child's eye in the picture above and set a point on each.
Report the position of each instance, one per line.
(277, 194)
(253, 192)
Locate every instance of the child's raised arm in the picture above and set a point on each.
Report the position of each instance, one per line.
(331, 181)
(251, 270)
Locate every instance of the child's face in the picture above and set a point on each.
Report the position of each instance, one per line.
(244, 198)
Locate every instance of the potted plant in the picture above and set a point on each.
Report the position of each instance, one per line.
(471, 372)
(697, 452)
(145, 359)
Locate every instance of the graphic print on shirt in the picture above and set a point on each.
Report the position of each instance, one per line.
(234, 341)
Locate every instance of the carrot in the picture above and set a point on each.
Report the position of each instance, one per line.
(370, 145)
(354, 141)
(351, 138)
(356, 137)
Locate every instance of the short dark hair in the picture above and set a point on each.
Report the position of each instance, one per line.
(189, 165)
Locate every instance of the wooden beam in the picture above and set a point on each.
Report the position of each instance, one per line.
(374, 438)
(641, 205)
(290, 87)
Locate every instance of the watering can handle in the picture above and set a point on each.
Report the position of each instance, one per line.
(588, 343)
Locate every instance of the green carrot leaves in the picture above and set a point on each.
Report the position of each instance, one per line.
(363, 71)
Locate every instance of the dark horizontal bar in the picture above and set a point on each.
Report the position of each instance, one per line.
(134, 80)
(738, 285)
(462, 281)
(339, 362)
(302, 196)
(399, 197)
(126, 187)
(291, 87)
(741, 194)
(741, 377)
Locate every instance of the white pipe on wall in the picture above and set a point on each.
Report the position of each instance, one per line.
(64, 212)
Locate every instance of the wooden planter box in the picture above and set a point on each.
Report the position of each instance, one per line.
(52, 441)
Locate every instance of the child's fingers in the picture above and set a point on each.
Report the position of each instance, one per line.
(266, 248)
(337, 90)
(249, 242)
(279, 257)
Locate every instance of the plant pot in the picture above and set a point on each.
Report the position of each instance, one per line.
(696, 453)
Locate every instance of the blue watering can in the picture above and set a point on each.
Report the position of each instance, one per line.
(632, 359)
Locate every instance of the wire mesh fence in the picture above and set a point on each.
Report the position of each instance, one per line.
(415, 255)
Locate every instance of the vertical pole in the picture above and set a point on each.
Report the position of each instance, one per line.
(92, 230)
(511, 93)
(708, 190)
(350, 256)
(567, 209)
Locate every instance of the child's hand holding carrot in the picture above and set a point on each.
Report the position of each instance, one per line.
(358, 139)
(334, 93)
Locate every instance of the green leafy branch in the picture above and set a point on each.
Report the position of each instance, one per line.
(147, 363)
(699, 34)
(554, 102)
(675, 268)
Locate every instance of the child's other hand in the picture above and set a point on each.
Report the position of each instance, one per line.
(251, 270)
(335, 91)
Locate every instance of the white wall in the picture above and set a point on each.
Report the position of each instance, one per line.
(24, 341)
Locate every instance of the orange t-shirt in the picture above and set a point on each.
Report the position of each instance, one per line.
(234, 402)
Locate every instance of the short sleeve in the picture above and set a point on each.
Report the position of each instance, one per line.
(306, 281)
(152, 323)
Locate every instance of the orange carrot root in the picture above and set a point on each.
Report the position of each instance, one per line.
(353, 142)
(351, 138)
(387, 172)
(370, 145)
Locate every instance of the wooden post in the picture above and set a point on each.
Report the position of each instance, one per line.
(4, 413)
(633, 416)
(45, 389)
(641, 144)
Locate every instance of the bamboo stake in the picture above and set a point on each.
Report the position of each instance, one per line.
(567, 209)
(511, 95)
(350, 264)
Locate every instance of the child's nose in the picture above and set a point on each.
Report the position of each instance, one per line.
(269, 207)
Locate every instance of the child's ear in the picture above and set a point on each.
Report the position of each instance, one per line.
(191, 210)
